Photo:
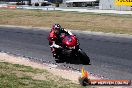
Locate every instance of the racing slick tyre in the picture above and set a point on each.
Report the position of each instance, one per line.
(83, 57)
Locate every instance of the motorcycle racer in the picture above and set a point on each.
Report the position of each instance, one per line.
(55, 39)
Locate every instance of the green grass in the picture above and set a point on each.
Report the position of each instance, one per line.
(20, 76)
(70, 20)
(16, 67)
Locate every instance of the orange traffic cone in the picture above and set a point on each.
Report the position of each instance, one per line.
(84, 80)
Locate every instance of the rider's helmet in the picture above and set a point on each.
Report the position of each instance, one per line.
(56, 28)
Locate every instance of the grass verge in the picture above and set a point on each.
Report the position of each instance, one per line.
(20, 76)
(71, 20)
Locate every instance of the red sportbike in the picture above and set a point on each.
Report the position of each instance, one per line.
(70, 49)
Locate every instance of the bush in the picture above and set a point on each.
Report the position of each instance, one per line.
(57, 4)
(43, 4)
(36, 4)
(29, 4)
(20, 3)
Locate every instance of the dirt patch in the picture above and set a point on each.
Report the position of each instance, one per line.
(37, 76)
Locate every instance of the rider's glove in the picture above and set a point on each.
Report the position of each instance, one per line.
(69, 33)
(54, 45)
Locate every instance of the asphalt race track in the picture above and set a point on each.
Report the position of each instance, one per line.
(110, 56)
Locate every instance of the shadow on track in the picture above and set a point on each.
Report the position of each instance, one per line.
(71, 61)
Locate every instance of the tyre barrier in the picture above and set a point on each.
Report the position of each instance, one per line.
(8, 6)
(12, 7)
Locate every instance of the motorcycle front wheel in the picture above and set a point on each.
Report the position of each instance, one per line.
(83, 57)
